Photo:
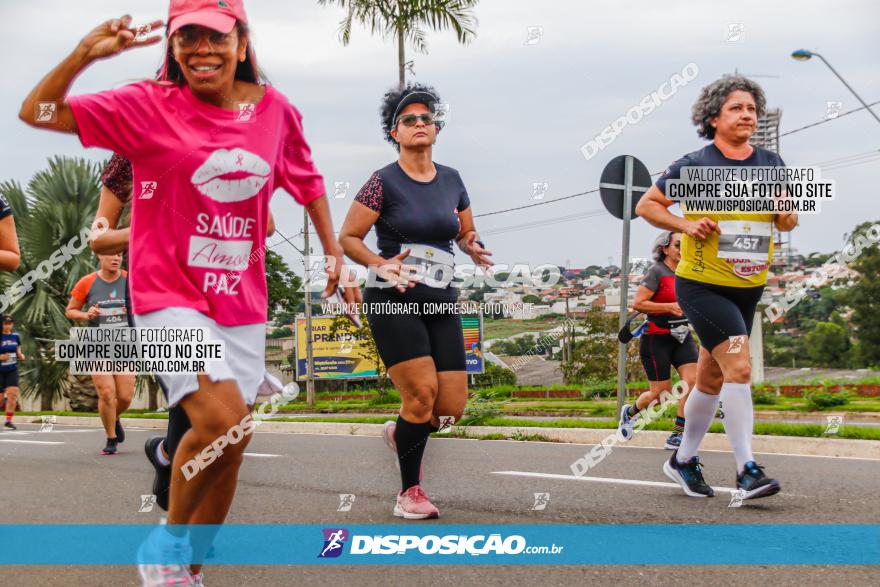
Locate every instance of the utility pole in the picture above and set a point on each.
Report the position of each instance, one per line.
(566, 334)
(310, 383)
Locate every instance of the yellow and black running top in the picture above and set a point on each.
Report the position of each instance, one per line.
(740, 256)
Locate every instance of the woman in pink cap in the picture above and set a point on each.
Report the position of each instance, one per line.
(208, 144)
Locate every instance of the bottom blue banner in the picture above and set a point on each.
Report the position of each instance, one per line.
(270, 544)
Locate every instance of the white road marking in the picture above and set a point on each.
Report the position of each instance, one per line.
(30, 441)
(602, 480)
(259, 454)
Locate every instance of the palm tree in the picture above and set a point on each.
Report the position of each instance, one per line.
(58, 203)
(408, 20)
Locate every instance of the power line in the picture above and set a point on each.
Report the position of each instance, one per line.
(546, 222)
(554, 200)
(839, 116)
(839, 163)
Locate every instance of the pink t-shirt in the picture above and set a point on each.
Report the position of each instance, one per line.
(203, 177)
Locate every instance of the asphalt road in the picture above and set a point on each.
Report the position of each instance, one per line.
(59, 477)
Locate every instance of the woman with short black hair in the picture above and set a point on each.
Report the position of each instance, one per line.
(418, 208)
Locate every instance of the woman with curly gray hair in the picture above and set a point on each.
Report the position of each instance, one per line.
(418, 208)
(719, 281)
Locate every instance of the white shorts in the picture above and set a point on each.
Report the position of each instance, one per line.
(244, 355)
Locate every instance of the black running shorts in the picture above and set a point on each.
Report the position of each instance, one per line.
(661, 352)
(407, 326)
(717, 312)
(8, 379)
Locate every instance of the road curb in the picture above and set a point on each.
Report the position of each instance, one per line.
(822, 447)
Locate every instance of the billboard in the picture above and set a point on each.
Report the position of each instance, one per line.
(472, 327)
(345, 355)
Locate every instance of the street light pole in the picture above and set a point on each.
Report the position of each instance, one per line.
(804, 55)
(310, 381)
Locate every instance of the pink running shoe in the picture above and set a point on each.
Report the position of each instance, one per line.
(413, 504)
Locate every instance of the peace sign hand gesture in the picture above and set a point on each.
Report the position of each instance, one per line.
(116, 35)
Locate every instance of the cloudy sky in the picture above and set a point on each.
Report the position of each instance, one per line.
(519, 112)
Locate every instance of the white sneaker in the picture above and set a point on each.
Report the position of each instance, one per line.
(625, 425)
(164, 561)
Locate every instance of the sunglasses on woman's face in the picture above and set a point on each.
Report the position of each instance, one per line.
(409, 120)
(189, 38)
(676, 245)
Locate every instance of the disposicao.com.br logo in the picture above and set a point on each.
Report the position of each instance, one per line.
(451, 544)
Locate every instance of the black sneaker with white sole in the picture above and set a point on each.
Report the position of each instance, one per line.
(162, 479)
(755, 483)
(689, 475)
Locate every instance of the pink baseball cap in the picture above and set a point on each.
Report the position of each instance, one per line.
(219, 15)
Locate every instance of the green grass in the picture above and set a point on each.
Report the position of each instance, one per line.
(507, 328)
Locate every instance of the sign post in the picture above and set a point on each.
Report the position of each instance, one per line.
(623, 182)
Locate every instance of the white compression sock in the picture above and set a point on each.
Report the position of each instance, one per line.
(163, 460)
(699, 411)
(739, 421)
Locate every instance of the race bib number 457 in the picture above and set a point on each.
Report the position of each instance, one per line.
(744, 239)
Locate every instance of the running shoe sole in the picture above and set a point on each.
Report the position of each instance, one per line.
(398, 511)
(668, 446)
(105, 452)
(673, 474)
(771, 488)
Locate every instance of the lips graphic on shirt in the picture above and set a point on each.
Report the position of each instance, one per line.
(231, 175)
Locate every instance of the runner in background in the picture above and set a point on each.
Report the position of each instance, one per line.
(667, 342)
(10, 255)
(418, 208)
(103, 294)
(10, 355)
(719, 282)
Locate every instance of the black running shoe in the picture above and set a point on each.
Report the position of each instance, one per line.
(120, 432)
(755, 483)
(162, 480)
(689, 475)
(110, 449)
(10, 425)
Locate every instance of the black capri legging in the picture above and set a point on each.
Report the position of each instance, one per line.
(408, 326)
(717, 312)
(661, 352)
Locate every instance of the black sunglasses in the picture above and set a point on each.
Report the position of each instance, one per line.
(409, 120)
